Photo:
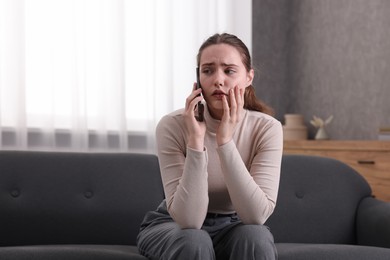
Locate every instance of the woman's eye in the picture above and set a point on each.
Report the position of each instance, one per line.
(229, 71)
(206, 71)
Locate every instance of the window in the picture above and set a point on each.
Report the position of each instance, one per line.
(109, 67)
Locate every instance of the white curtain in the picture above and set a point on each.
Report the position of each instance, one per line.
(97, 75)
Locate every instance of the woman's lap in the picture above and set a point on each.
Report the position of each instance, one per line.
(221, 237)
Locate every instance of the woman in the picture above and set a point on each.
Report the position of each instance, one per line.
(220, 175)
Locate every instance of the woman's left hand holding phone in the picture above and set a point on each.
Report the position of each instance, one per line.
(195, 130)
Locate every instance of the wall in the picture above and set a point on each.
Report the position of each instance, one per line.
(325, 57)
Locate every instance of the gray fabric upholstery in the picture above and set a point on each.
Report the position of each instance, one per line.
(90, 205)
(71, 252)
(325, 210)
(317, 201)
(75, 198)
(295, 251)
(373, 223)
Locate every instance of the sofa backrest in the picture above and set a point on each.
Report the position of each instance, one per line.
(317, 201)
(75, 198)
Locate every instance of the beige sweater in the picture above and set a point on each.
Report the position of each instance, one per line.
(240, 176)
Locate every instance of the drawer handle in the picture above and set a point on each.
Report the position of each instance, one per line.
(366, 162)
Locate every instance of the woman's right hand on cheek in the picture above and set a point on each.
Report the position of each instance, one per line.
(195, 130)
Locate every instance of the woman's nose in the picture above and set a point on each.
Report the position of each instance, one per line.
(219, 79)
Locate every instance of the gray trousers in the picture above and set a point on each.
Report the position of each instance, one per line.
(221, 237)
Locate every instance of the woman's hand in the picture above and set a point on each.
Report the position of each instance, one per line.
(195, 130)
(231, 115)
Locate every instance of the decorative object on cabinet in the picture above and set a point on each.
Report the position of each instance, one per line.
(320, 124)
(370, 158)
(294, 127)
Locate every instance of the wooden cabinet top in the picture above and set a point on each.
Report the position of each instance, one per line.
(352, 145)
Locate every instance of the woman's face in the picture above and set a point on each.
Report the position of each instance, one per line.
(221, 69)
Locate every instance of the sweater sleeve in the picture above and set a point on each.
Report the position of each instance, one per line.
(184, 175)
(254, 192)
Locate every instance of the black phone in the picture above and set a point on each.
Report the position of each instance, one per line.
(200, 106)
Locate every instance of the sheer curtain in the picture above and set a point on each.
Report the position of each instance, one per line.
(97, 75)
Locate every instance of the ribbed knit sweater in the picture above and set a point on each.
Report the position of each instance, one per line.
(240, 176)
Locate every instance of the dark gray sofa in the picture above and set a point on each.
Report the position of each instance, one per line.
(89, 206)
(325, 211)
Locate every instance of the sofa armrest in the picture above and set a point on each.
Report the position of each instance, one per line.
(373, 223)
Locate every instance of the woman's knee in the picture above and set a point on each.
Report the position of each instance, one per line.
(251, 242)
(192, 242)
(169, 242)
(196, 236)
(256, 233)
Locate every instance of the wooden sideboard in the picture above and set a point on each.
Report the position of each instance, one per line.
(370, 158)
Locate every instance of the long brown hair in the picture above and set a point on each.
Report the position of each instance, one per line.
(251, 101)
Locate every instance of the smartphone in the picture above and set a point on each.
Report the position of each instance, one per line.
(200, 106)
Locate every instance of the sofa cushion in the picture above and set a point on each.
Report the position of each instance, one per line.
(76, 198)
(317, 201)
(288, 251)
(74, 252)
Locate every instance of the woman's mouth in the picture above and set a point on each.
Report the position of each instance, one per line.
(218, 94)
